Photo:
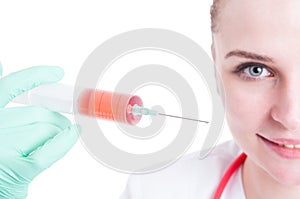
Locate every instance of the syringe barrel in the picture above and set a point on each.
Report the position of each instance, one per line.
(95, 103)
(108, 105)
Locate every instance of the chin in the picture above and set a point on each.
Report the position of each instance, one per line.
(286, 176)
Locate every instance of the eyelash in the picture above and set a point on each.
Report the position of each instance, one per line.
(241, 71)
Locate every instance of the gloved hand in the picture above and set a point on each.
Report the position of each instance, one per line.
(31, 138)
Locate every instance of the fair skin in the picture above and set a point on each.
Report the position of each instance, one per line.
(262, 97)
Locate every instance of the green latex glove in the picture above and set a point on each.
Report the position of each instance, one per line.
(31, 138)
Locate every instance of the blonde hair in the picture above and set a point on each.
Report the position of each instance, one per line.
(214, 12)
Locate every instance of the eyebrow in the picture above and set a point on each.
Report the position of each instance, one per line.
(249, 55)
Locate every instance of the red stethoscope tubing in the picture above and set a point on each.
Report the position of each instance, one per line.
(229, 172)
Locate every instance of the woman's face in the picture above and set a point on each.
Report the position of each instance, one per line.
(257, 54)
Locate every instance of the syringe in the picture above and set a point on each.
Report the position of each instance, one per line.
(101, 104)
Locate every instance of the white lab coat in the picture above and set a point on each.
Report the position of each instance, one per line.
(190, 178)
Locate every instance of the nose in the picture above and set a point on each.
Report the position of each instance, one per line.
(286, 110)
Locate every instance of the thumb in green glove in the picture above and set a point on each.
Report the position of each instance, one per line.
(31, 138)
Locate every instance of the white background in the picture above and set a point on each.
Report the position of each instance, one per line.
(64, 33)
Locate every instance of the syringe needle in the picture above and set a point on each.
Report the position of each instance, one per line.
(185, 118)
(139, 110)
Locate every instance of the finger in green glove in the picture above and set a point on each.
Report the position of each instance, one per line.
(31, 138)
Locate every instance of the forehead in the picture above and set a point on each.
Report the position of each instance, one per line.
(259, 24)
(273, 12)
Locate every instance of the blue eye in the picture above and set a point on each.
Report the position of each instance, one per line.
(253, 71)
(257, 71)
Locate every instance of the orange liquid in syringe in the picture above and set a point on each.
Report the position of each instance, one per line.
(109, 106)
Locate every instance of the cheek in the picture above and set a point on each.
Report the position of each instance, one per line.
(247, 110)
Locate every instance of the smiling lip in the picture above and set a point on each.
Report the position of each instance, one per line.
(285, 148)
